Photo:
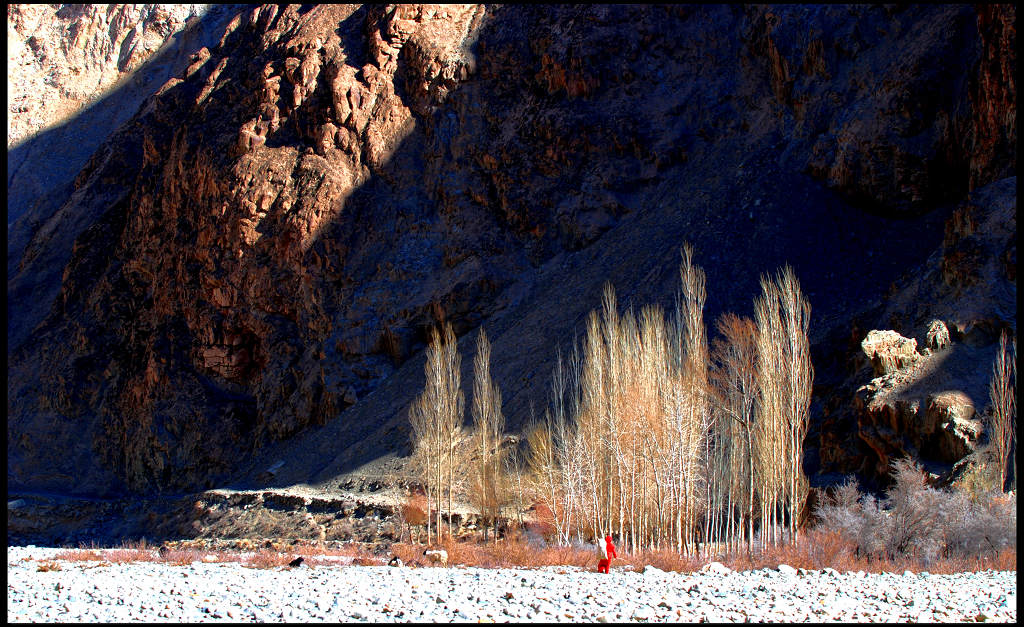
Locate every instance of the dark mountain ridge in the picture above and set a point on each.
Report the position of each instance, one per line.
(265, 244)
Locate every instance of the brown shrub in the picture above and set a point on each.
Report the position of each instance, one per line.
(414, 510)
(410, 554)
(47, 566)
(80, 555)
(544, 525)
(662, 559)
(265, 558)
(183, 557)
(126, 555)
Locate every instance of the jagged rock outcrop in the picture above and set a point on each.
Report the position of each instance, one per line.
(247, 269)
(936, 429)
(889, 351)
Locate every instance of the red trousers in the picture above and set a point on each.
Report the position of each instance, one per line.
(602, 566)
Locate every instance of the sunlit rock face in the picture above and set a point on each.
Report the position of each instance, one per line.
(62, 58)
(261, 249)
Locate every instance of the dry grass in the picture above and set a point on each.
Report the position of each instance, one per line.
(817, 549)
(662, 559)
(183, 557)
(80, 555)
(354, 553)
(127, 552)
(266, 558)
(126, 555)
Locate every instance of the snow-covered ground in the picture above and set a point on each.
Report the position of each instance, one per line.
(85, 591)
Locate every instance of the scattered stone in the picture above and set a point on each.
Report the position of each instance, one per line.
(470, 594)
(437, 556)
(716, 568)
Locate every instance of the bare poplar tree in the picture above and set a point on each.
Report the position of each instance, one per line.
(770, 454)
(795, 316)
(735, 358)
(695, 376)
(426, 451)
(489, 425)
(736, 387)
(785, 377)
(1002, 395)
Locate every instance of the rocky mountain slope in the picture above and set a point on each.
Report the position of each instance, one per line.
(246, 270)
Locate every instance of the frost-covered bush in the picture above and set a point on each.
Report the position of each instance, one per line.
(854, 515)
(914, 519)
(913, 525)
(973, 527)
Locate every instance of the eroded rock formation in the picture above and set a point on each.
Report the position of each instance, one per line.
(889, 351)
(931, 404)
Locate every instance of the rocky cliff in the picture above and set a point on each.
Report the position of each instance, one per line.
(246, 269)
(74, 74)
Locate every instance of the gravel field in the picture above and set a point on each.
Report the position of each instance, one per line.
(85, 591)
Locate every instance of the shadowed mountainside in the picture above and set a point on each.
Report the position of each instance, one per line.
(260, 251)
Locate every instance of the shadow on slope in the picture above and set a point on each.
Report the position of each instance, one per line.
(41, 173)
(742, 225)
(845, 260)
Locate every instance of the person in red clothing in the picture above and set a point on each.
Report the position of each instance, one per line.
(606, 551)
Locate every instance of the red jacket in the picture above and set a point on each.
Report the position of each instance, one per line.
(610, 547)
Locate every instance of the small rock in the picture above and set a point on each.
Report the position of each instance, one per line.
(716, 568)
(643, 613)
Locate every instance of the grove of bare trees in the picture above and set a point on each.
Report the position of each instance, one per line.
(436, 420)
(653, 437)
(649, 433)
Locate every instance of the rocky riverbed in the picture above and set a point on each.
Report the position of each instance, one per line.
(154, 591)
